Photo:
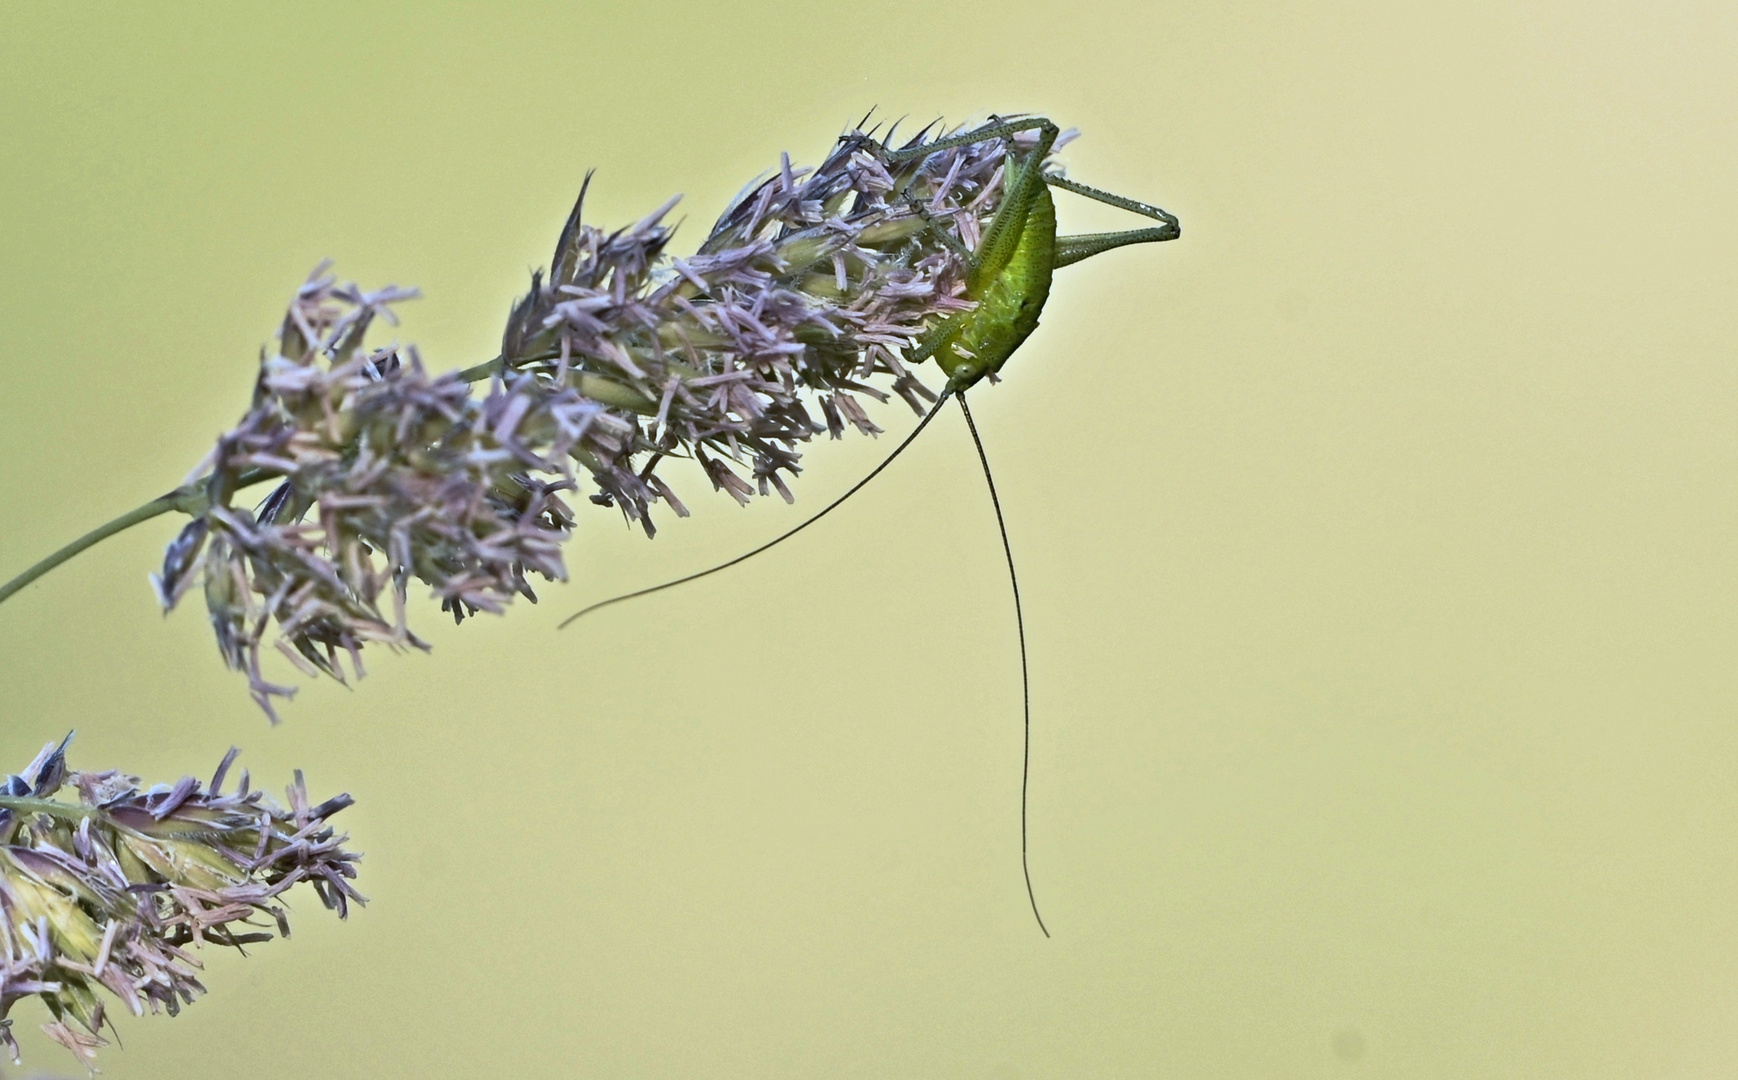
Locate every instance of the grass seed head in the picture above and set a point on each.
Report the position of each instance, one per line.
(800, 301)
(106, 897)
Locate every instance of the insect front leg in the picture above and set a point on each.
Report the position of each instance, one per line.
(939, 337)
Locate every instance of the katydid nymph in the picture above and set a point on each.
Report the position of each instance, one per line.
(1007, 281)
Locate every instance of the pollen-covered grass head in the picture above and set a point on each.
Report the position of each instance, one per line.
(801, 300)
(106, 897)
(385, 473)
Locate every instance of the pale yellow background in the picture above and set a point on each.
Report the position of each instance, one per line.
(1377, 542)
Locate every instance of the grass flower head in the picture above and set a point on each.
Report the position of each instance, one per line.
(105, 897)
(799, 302)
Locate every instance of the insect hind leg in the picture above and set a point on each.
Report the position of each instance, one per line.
(1072, 249)
(993, 130)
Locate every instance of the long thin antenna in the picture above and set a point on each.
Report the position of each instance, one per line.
(782, 537)
(1025, 680)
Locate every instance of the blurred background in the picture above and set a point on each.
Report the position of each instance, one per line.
(1376, 540)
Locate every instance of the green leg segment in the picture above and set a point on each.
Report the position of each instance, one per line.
(1072, 249)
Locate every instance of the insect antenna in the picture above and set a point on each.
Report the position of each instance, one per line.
(1025, 679)
(782, 537)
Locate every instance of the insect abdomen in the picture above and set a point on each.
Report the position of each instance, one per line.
(1009, 301)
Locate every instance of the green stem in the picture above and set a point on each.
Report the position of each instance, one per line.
(481, 371)
(189, 500)
(24, 804)
(160, 505)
